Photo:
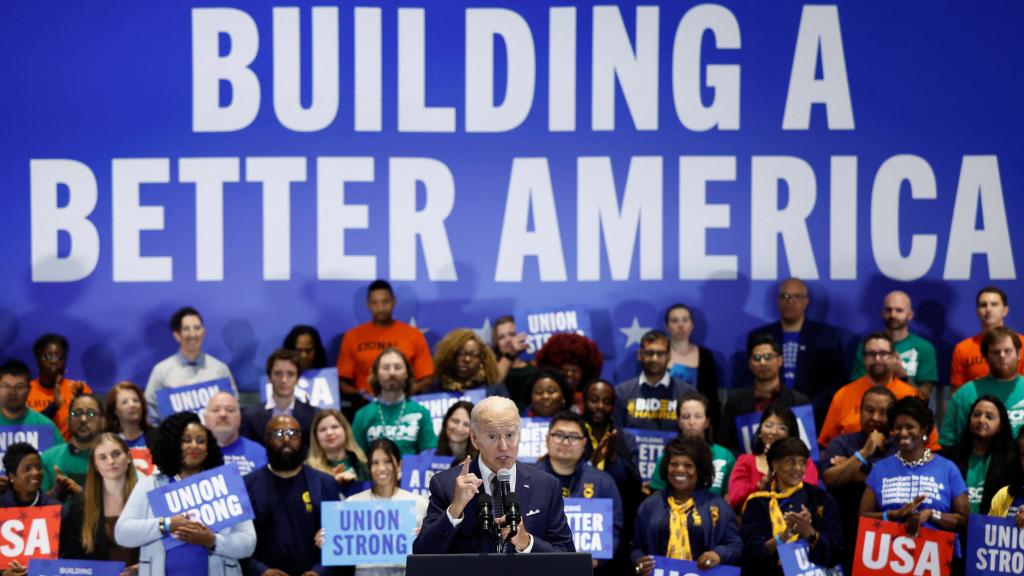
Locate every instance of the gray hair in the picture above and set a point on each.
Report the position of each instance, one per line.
(488, 406)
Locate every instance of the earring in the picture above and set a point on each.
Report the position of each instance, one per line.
(925, 438)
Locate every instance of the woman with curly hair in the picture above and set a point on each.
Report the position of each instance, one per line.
(578, 358)
(183, 448)
(463, 361)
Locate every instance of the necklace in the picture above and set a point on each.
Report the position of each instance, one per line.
(401, 413)
(925, 457)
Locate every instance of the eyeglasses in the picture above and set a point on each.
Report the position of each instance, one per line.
(562, 437)
(876, 354)
(790, 296)
(285, 433)
(654, 353)
(766, 357)
(87, 414)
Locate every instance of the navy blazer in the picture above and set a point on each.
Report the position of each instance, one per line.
(260, 485)
(540, 500)
(256, 418)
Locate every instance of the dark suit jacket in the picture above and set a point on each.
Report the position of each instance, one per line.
(265, 505)
(820, 369)
(540, 499)
(254, 422)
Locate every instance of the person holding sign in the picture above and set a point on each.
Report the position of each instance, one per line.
(695, 421)
(333, 450)
(51, 393)
(125, 413)
(305, 341)
(286, 498)
(566, 439)
(451, 522)
(189, 365)
(283, 370)
(692, 363)
(915, 486)
(385, 473)
(24, 468)
(685, 520)
(183, 448)
(790, 509)
(986, 454)
(14, 411)
(87, 531)
(392, 414)
(1008, 502)
(752, 472)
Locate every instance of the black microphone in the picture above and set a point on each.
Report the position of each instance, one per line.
(508, 501)
(484, 516)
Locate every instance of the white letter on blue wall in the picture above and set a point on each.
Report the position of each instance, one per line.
(368, 69)
(483, 27)
(885, 217)
(413, 113)
(979, 182)
(819, 34)
(769, 222)
(614, 59)
(333, 217)
(209, 68)
(530, 192)
(406, 224)
(697, 216)
(48, 220)
(277, 175)
(562, 69)
(209, 175)
(597, 210)
(724, 79)
(131, 218)
(288, 69)
(842, 207)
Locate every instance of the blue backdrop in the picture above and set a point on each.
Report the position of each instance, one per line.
(498, 156)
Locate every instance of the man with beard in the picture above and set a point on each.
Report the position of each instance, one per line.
(880, 363)
(650, 401)
(223, 418)
(848, 459)
(1001, 348)
(917, 364)
(286, 496)
(71, 460)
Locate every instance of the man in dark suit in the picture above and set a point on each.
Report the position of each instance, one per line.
(650, 401)
(812, 352)
(283, 373)
(451, 522)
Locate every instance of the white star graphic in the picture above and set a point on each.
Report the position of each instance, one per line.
(412, 322)
(484, 332)
(634, 332)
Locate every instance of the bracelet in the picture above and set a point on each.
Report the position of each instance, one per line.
(885, 516)
(167, 525)
(859, 456)
(160, 525)
(778, 540)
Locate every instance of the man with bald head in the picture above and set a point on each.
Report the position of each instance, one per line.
(286, 496)
(223, 417)
(451, 523)
(812, 352)
(917, 364)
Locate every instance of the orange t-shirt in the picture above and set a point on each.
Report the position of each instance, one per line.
(845, 406)
(39, 398)
(969, 364)
(362, 345)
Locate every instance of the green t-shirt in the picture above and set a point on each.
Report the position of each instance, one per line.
(1011, 393)
(721, 459)
(33, 418)
(977, 469)
(75, 466)
(407, 424)
(917, 355)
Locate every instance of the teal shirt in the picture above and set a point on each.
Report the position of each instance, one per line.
(74, 465)
(408, 424)
(1011, 393)
(721, 459)
(33, 418)
(917, 356)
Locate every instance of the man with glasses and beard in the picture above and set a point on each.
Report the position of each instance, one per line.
(286, 496)
(71, 460)
(650, 401)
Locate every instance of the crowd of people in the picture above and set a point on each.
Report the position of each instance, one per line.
(715, 497)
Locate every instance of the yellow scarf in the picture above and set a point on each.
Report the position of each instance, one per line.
(679, 533)
(595, 442)
(774, 510)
